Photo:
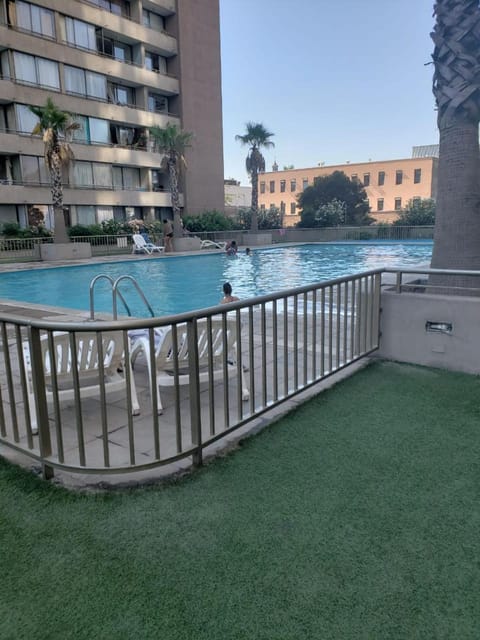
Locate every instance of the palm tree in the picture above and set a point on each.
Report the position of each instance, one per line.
(456, 86)
(172, 142)
(256, 137)
(54, 123)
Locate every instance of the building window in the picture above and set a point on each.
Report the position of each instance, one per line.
(26, 120)
(293, 208)
(113, 48)
(282, 207)
(126, 178)
(398, 204)
(32, 18)
(416, 200)
(118, 7)
(86, 214)
(262, 207)
(262, 187)
(39, 71)
(157, 103)
(304, 183)
(293, 185)
(399, 177)
(153, 20)
(417, 176)
(283, 184)
(119, 94)
(366, 179)
(91, 130)
(85, 83)
(80, 34)
(354, 177)
(154, 62)
(381, 178)
(380, 204)
(272, 186)
(34, 170)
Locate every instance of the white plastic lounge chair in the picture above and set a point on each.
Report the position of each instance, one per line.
(87, 367)
(210, 244)
(141, 245)
(165, 361)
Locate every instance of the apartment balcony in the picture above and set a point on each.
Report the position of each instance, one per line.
(88, 59)
(40, 193)
(164, 7)
(131, 30)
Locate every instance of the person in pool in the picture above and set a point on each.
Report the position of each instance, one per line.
(227, 294)
(231, 248)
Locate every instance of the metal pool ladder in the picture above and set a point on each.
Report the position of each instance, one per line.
(116, 294)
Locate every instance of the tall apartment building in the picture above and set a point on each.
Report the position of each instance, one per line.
(120, 66)
(389, 185)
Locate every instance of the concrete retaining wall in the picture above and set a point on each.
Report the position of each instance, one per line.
(405, 336)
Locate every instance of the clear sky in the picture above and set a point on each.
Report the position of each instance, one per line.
(334, 80)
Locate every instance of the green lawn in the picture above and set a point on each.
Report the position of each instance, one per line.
(355, 517)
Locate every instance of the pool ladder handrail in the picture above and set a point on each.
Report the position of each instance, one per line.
(116, 293)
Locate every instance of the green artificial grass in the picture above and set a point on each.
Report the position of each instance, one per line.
(356, 516)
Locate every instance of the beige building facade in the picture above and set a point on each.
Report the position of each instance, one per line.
(120, 67)
(389, 185)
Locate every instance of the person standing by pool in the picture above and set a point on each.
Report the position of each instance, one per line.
(231, 248)
(167, 235)
(227, 294)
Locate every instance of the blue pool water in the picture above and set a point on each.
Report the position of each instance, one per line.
(178, 284)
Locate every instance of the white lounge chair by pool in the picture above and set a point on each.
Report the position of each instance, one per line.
(88, 369)
(224, 355)
(210, 244)
(141, 245)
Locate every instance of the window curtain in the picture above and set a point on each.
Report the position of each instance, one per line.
(117, 177)
(86, 214)
(99, 131)
(96, 85)
(48, 73)
(26, 119)
(82, 174)
(74, 80)
(104, 213)
(25, 67)
(23, 15)
(102, 175)
(30, 172)
(131, 178)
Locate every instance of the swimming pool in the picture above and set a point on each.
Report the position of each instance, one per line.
(177, 284)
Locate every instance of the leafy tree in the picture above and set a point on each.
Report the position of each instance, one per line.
(417, 212)
(172, 143)
(53, 124)
(288, 167)
(208, 221)
(456, 87)
(256, 138)
(271, 218)
(334, 199)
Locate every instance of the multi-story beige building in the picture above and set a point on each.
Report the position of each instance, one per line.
(389, 185)
(120, 66)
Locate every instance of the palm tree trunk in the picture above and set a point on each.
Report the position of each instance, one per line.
(60, 231)
(457, 219)
(175, 197)
(254, 221)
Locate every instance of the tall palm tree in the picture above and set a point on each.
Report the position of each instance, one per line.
(172, 143)
(256, 138)
(54, 123)
(456, 87)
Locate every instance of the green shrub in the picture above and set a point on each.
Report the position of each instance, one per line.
(208, 221)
